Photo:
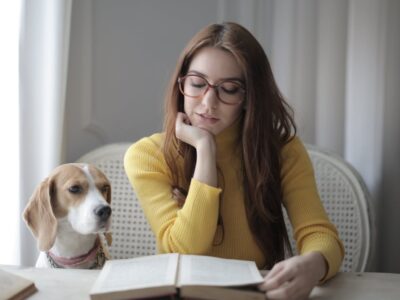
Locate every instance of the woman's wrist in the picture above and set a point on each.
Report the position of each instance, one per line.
(206, 147)
(206, 166)
(321, 265)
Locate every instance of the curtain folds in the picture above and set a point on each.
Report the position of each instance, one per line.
(44, 45)
(337, 63)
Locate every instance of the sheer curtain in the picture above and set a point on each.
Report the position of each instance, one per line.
(44, 44)
(338, 64)
(9, 214)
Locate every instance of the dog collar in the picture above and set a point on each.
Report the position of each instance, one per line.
(95, 254)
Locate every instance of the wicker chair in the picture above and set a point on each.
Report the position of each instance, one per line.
(347, 203)
(132, 235)
(342, 192)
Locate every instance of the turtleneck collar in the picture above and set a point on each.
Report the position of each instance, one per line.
(228, 140)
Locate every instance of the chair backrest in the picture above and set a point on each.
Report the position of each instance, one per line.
(341, 189)
(347, 203)
(131, 233)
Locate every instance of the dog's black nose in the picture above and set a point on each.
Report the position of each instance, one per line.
(103, 212)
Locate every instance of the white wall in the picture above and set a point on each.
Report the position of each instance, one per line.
(121, 56)
(337, 62)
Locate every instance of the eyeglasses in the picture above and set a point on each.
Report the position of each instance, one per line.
(228, 91)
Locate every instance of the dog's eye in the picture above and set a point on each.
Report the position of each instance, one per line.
(75, 189)
(105, 188)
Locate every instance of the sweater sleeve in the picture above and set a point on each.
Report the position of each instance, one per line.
(189, 229)
(311, 226)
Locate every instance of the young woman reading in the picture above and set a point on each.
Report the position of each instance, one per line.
(215, 180)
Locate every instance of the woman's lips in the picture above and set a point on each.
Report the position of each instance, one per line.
(207, 119)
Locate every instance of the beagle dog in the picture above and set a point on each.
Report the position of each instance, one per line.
(69, 213)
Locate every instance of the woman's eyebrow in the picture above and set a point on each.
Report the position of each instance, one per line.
(194, 72)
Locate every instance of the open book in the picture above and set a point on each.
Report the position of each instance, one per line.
(14, 287)
(192, 276)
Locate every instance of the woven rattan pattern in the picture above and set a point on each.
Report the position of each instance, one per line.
(131, 233)
(341, 190)
(345, 200)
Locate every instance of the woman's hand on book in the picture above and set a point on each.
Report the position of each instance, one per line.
(294, 278)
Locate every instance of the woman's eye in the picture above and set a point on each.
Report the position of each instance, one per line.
(75, 189)
(230, 89)
(196, 82)
(198, 85)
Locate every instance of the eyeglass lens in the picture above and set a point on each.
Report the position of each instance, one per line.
(196, 86)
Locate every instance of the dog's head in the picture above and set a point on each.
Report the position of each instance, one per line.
(80, 193)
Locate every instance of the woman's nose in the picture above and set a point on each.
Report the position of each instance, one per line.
(210, 98)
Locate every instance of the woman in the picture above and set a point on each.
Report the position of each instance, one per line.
(215, 180)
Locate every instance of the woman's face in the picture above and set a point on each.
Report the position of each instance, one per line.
(208, 111)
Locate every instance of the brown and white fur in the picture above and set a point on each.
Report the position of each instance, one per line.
(66, 213)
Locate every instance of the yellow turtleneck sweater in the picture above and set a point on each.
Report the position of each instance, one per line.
(192, 229)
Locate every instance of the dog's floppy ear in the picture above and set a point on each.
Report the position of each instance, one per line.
(108, 236)
(108, 198)
(39, 215)
(109, 190)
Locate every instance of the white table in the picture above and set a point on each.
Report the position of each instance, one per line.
(76, 284)
(57, 283)
(360, 286)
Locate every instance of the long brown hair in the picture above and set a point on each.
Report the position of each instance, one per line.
(267, 125)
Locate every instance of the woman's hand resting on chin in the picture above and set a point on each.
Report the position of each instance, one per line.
(189, 134)
(204, 143)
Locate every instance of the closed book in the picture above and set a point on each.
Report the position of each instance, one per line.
(15, 287)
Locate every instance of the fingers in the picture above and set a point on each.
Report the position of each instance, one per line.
(181, 130)
(275, 270)
(288, 290)
(182, 118)
(188, 133)
(278, 276)
(285, 286)
(293, 278)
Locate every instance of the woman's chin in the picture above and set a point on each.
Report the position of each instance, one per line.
(208, 128)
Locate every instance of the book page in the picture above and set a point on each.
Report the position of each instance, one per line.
(206, 270)
(135, 273)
